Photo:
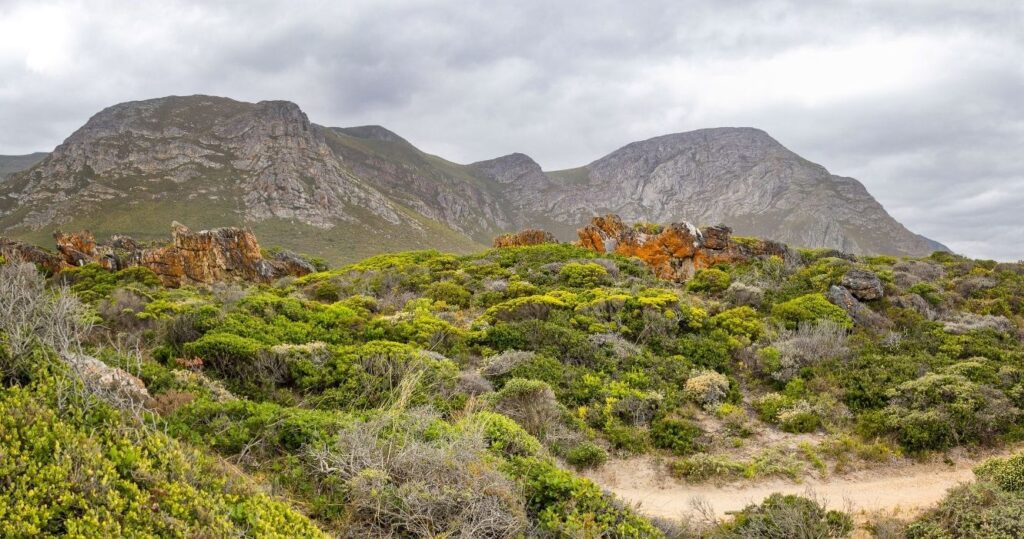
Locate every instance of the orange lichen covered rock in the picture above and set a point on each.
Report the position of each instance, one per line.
(204, 257)
(675, 251)
(530, 236)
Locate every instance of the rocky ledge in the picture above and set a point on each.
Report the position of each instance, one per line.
(675, 251)
(203, 257)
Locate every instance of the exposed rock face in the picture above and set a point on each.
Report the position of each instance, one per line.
(530, 236)
(207, 256)
(676, 251)
(279, 164)
(863, 284)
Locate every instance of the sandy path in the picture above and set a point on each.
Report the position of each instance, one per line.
(904, 490)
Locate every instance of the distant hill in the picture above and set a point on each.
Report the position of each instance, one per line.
(9, 164)
(344, 193)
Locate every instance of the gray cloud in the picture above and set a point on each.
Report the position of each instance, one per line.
(920, 100)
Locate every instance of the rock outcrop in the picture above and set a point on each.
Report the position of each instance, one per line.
(114, 385)
(675, 251)
(203, 257)
(530, 236)
(863, 284)
(21, 251)
(860, 313)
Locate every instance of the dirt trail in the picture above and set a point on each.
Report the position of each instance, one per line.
(905, 489)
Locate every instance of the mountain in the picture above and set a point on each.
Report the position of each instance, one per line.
(9, 164)
(348, 192)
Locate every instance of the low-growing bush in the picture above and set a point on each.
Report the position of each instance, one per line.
(586, 455)
(787, 516)
(706, 388)
(582, 274)
(711, 280)
(680, 436)
(811, 308)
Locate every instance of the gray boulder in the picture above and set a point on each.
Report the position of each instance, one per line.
(861, 314)
(863, 284)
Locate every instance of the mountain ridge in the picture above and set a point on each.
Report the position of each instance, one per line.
(223, 162)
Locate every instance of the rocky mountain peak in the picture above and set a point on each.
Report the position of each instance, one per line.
(514, 167)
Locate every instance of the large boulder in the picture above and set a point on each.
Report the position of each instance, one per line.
(863, 284)
(675, 251)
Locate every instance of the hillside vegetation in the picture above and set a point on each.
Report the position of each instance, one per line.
(424, 394)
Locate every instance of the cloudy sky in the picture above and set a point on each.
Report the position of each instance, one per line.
(922, 100)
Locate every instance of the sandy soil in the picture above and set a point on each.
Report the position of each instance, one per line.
(900, 490)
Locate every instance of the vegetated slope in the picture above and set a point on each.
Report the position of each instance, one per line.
(9, 164)
(344, 193)
(423, 393)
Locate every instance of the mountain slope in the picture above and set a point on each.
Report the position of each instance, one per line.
(349, 192)
(738, 176)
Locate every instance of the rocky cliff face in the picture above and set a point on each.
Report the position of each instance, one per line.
(675, 251)
(202, 257)
(264, 160)
(217, 162)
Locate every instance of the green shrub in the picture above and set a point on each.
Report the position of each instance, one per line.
(566, 505)
(582, 275)
(503, 435)
(1008, 473)
(586, 455)
(525, 308)
(975, 510)
(328, 291)
(706, 388)
(937, 411)
(801, 417)
(770, 406)
(711, 280)
(810, 308)
(740, 322)
(677, 435)
(372, 374)
(788, 516)
(449, 292)
(82, 473)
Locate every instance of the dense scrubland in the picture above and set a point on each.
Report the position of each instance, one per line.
(424, 394)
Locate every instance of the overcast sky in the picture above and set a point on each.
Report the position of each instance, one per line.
(923, 101)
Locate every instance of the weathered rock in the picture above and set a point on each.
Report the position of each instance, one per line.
(916, 303)
(676, 251)
(16, 250)
(113, 384)
(861, 314)
(207, 256)
(530, 236)
(863, 284)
